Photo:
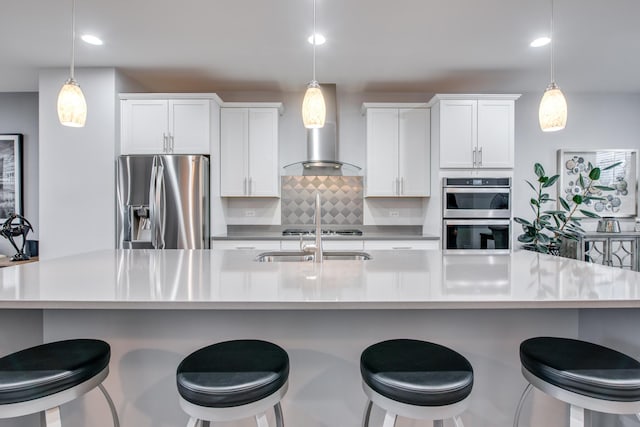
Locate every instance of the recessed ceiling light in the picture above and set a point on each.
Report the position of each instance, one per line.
(540, 41)
(88, 38)
(320, 39)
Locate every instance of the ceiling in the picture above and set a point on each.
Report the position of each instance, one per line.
(372, 45)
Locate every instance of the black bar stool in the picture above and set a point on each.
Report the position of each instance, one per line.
(232, 380)
(41, 378)
(415, 379)
(589, 377)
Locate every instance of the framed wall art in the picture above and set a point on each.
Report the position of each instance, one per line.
(10, 175)
(621, 201)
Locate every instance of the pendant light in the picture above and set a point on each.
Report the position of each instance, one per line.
(72, 107)
(314, 109)
(553, 106)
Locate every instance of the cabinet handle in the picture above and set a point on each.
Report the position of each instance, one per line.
(245, 247)
(401, 247)
(395, 186)
(173, 143)
(402, 185)
(250, 185)
(244, 186)
(480, 156)
(164, 142)
(474, 157)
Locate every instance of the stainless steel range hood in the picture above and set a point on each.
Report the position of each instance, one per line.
(322, 144)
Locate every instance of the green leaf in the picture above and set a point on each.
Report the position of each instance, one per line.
(535, 202)
(604, 188)
(564, 204)
(581, 181)
(522, 221)
(543, 238)
(594, 174)
(577, 199)
(542, 248)
(539, 170)
(554, 212)
(612, 166)
(524, 238)
(589, 214)
(552, 180)
(532, 187)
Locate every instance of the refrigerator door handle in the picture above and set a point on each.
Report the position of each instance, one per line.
(152, 205)
(160, 203)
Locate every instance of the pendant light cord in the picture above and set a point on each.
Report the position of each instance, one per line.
(314, 40)
(552, 76)
(73, 36)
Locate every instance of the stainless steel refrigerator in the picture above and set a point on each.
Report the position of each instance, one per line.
(163, 202)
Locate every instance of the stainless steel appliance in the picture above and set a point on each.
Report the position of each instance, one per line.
(476, 214)
(476, 197)
(163, 202)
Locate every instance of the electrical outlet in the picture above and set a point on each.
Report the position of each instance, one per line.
(249, 212)
(394, 214)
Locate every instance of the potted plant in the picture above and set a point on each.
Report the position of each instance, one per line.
(549, 227)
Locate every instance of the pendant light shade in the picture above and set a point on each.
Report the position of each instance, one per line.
(553, 109)
(72, 107)
(314, 110)
(552, 113)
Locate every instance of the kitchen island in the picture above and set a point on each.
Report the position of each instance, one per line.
(154, 307)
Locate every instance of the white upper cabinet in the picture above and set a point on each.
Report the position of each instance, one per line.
(474, 131)
(398, 150)
(165, 126)
(249, 152)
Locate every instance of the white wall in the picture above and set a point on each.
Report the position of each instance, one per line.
(77, 167)
(19, 114)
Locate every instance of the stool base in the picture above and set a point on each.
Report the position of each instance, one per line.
(393, 409)
(580, 406)
(201, 416)
(48, 406)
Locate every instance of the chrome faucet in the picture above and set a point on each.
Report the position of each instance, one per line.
(316, 247)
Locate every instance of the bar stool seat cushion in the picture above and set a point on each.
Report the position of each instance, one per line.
(232, 373)
(416, 372)
(50, 368)
(582, 367)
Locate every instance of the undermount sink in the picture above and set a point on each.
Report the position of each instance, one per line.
(283, 256)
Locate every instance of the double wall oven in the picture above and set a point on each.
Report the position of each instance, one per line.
(476, 214)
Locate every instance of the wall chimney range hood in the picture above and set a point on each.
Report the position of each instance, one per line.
(322, 145)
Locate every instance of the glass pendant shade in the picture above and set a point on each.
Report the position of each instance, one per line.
(553, 109)
(72, 107)
(314, 110)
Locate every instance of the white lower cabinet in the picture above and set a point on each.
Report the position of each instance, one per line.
(372, 245)
(262, 245)
(327, 245)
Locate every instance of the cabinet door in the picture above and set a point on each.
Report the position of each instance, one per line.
(622, 253)
(382, 152)
(495, 133)
(263, 152)
(414, 157)
(144, 127)
(190, 126)
(458, 133)
(234, 143)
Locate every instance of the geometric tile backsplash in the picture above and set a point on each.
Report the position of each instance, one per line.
(340, 196)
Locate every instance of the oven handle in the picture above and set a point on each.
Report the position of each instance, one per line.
(476, 222)
(477, 190)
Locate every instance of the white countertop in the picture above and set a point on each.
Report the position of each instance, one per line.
(221, 279)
